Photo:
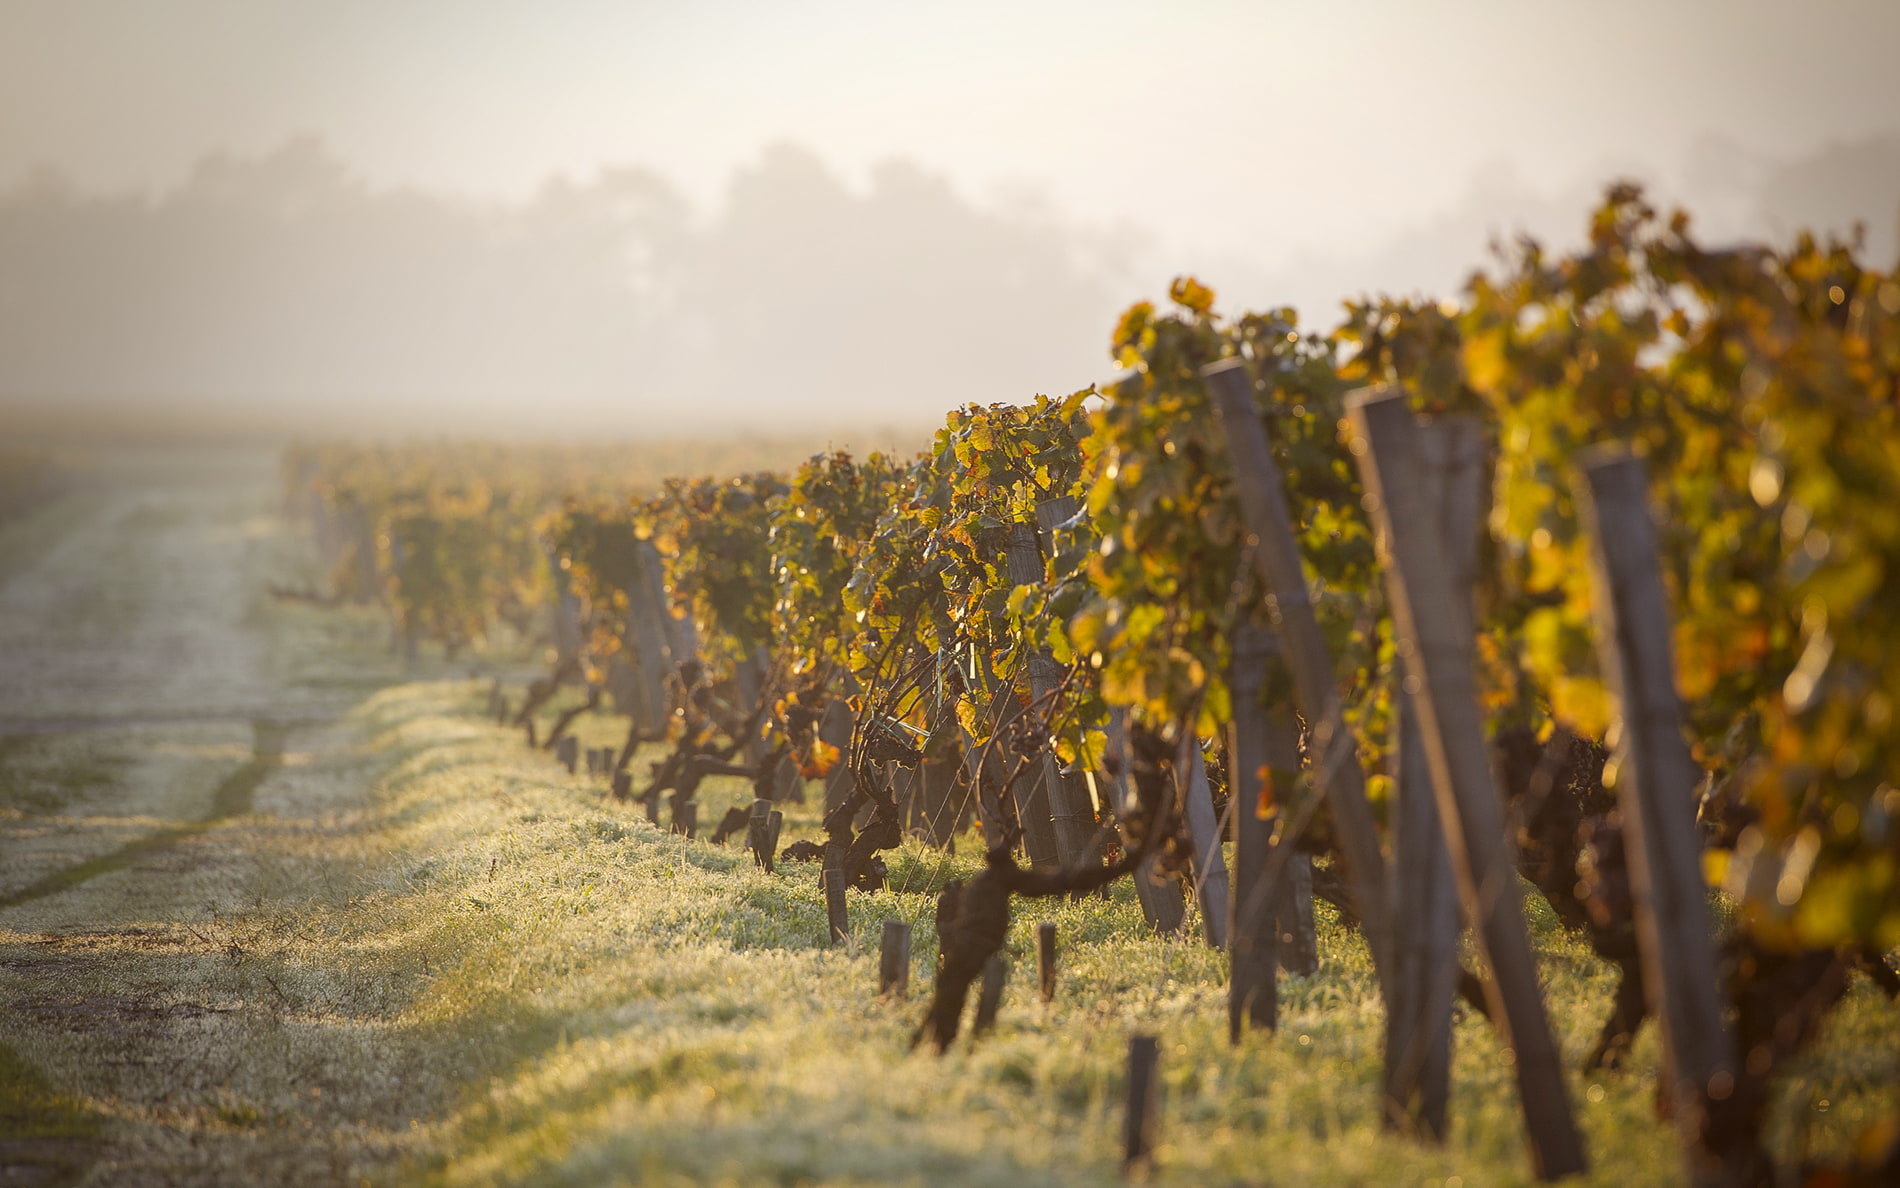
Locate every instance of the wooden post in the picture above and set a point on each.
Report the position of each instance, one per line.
(893, 961)
(1032, 793)
(1262, 740)
(1162, 903)
(756, 829)
(623, 785)
(593, 761)
(1433, 626)
(1262, 495)
(774, 822)
(1210, 868)
(686, 818)
(651, 656)
(937, 778)
(1046, 960)
(1655, 790)
(1293, 916)
(1069, 799)
(749, 676)
(567, 752)
(1451, 482)
(989, 999)
(835, 728)
(565, 612)
(833, 877)
(1138, 1121)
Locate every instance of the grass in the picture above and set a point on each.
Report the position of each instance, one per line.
(582, 998)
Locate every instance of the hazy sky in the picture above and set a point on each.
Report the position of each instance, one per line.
(1206, 123)
(1290, 151)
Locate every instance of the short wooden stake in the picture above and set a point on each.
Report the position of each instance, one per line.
(989, 999)
(623, 785)
(1138, 1120)
(686, 818)
(835, 915)
(1432, 624)
(756, 828)
(1046, 959)
(567, 751)
(653, 808)
(1655, 790)
(774, 822)
(893, 960)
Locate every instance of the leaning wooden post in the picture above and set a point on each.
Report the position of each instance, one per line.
(1046, 960)
(1655, 790)
(1432, 624)
(893, 963)
(1138, 1120)
(1261, 491)
(1451, 484)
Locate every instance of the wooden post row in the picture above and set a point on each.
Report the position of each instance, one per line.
(1655, 789)
(1433, 626)
(1262, 495)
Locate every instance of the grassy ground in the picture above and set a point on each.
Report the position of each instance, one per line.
(394, 944)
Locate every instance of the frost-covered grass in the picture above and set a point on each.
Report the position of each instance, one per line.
(587, 999)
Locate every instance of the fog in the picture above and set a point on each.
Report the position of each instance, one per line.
(616, 220)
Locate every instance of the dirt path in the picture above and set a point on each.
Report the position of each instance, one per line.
(146, 697)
